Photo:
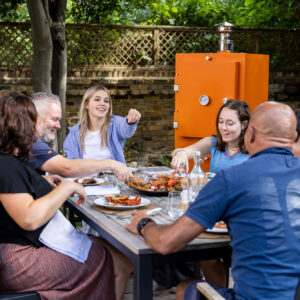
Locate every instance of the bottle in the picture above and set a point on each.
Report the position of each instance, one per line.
(196, 178)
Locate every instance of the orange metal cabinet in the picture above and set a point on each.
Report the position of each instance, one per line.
(216, 75)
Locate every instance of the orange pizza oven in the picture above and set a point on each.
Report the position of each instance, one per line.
(204, 81)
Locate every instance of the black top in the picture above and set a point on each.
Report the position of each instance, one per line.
(17, 177)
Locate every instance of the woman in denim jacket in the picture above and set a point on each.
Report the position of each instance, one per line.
(100, 134)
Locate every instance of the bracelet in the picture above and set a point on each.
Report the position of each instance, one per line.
(141, 224)
(178, 150)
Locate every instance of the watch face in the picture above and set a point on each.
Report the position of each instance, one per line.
(204, 99)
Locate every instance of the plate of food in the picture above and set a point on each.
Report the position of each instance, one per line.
(89, 181)
(219, 227)
(156, 185)
(121, 202)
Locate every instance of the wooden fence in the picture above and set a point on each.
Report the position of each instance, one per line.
(93, 45)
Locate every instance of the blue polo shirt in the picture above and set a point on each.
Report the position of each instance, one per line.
(259, 200)
(40, 153)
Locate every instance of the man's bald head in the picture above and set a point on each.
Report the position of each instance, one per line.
(273, 124)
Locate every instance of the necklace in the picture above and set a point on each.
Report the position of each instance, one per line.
(230, 156)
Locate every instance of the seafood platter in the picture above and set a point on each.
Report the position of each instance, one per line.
(156, 185)
(121, 202)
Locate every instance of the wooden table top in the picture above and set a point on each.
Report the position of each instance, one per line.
(113, 223)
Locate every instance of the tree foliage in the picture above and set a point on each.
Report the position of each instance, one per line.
(92, 11)
(14, 11)
(199, 13)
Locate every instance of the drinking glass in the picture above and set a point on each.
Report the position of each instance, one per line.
(109, 177)
(175, 209)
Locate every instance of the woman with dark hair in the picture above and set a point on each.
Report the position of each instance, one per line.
(28, 206)
(227, 148)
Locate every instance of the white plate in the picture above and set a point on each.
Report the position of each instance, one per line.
(217, 230)
(98, 181)
(102, 202)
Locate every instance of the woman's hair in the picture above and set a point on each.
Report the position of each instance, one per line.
(17, 124)
(84, 119)
(243, 111)
(297, 113)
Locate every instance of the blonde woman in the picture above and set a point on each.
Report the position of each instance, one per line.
(99, 134)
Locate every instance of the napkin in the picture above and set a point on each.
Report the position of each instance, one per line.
(101, 190)
(168, 172)
(61, 236)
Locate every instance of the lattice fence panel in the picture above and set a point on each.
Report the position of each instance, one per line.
(172, 42)
(15, 45)
(109, 46)
(282, 46)
(138, 46)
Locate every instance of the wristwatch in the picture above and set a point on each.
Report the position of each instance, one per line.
(141, 224)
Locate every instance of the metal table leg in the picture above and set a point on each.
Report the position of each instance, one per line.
(142, 288)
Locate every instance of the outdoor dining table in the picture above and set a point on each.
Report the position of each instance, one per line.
(111, 227)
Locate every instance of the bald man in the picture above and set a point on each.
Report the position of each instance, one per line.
(260, 202)
(296, 145)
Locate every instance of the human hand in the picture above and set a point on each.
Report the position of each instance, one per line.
(78, 190)
(180, 162)
(54, 180)
(133, 116)
(122, 172)
(136, 217)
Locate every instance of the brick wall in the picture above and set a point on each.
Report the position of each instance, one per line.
(148, 89)
(284, 85)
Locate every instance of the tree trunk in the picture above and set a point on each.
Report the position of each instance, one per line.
(59, 61)
(42, 45)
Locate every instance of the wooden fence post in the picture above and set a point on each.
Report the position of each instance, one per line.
(257, 44)
(156, 46)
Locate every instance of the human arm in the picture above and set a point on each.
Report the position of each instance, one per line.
(121, 128)
(181, 156)
(166, 239)
(31, 214)
(133, 116)
(84, 167)
(54, 180)
(71, 145)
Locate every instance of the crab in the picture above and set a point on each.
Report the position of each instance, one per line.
(123, 200)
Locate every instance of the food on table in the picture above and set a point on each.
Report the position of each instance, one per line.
(123, 200)
(220, 224)
(86, 181)
(157, 183)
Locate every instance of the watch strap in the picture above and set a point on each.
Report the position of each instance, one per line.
(141, 224)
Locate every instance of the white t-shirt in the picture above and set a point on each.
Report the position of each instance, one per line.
(92, 149)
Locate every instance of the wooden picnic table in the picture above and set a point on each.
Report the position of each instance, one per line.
(111, 227)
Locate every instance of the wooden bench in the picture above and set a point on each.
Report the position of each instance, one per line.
(206, 292)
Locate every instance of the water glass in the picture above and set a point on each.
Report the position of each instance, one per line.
(175, 209)
(109, 177)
